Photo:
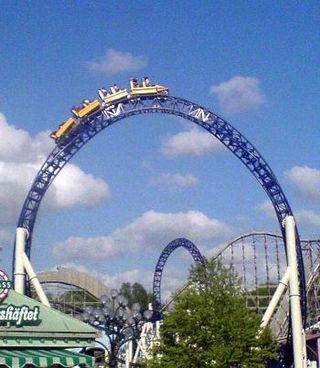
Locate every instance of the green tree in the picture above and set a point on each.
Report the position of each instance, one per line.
(210, 326)
(136, 293)
(126, 291)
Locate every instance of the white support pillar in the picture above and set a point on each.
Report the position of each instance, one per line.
(275, 300)
(145, 343)
(129, 354)
(35, 282)
(19, 272)
(298, 340)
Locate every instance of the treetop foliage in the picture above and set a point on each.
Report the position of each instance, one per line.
(136, 293)
(210, 326)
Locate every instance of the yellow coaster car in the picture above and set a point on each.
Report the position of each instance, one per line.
(115, 97)
(64, 128)
(90, 108)
(150, 90)
(146, 88)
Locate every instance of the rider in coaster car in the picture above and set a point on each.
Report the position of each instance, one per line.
(146, 82)
(85, 102)
(134, 82)
(103, 92)
(114, 88)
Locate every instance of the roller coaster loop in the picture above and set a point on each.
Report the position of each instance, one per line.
(91, 125)
(180, 242)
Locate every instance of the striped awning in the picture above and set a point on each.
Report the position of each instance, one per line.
(18, 358)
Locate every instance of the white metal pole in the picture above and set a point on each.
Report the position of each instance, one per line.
(19, 272)
(129, 354)
(35, 282)
(298, 340)
(275, 300)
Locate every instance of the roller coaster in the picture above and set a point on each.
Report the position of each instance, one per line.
(94, 116)
(108, 99)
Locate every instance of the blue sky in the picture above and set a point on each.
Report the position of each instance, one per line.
(149, 179)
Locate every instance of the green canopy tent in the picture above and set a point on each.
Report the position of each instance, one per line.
(19, 358)
(32, 334)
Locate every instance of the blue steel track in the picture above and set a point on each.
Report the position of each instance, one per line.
(89, 126)
(180, 242)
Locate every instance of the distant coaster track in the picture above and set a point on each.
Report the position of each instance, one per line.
(173, 245)
(90, 126)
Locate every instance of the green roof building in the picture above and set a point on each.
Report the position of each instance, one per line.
(32, 334)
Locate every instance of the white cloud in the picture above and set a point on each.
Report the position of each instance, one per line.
(142, 277)
(267, 208)
(214, 251)
(73, 187)
(21, 157)
(305, 218)
(114, 62)
(18, 145)
(174, 181)
(151, 230)
(307, 180)
(193, 142)
(308, 218)
(91, 249)
(239, 94)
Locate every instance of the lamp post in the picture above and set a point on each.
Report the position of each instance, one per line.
(119, 323)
